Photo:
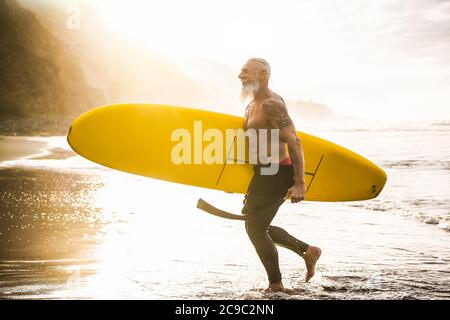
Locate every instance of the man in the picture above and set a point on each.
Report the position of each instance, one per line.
(266, 193)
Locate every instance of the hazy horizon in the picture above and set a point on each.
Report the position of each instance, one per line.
(383, 60)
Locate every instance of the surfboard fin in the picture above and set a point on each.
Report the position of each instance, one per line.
(205, 206)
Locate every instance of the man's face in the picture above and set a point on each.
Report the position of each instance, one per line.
(250, 73)
(250, 78)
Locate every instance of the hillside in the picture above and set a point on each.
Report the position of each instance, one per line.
(39, 75)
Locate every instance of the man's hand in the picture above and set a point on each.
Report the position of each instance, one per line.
(296, 193)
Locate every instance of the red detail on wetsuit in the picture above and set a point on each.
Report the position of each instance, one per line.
(286, 162)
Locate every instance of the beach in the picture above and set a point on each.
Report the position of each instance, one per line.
(71, 229)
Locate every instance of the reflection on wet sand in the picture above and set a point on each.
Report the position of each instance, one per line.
(48, 226)
(47, 215)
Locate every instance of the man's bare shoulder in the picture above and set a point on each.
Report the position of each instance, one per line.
(273, 105)
(275, 109)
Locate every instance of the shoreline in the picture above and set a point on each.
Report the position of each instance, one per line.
(15, 148)
(64, 232)
(30, 147)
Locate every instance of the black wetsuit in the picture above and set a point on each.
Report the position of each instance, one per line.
(264, 196)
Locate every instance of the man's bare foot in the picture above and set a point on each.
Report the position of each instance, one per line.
(275, 287)
(278, 287)
(311, 256)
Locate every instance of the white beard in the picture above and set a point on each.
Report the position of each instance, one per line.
(248, 92)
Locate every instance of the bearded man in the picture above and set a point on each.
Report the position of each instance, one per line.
(266, 192)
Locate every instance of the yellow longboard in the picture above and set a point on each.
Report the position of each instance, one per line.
(151, 140)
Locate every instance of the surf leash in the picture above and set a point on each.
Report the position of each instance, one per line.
(205, 206)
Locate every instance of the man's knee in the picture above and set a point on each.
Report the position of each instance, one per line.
(275, 231)
(255, 230)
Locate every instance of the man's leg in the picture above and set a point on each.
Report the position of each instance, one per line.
(266, 250)
(284, 239)
(309, 253)
(262, 209)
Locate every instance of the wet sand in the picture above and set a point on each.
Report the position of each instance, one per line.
(12, 148)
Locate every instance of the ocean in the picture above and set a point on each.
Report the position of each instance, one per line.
(70, 229)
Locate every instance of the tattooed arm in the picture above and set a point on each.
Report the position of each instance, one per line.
(276, 112)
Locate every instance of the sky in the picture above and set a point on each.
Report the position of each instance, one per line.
(379, 59)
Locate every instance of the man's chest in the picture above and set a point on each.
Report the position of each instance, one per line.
(256, 118)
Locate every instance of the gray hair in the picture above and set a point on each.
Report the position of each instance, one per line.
(264, 62)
